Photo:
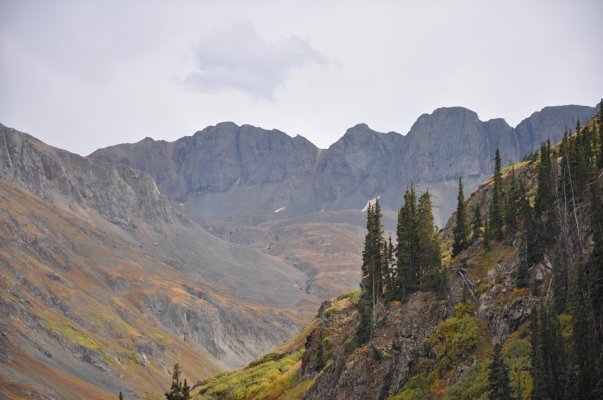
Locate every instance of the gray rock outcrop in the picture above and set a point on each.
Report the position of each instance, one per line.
(226, 171)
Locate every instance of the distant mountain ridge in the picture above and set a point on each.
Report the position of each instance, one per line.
(229, 171)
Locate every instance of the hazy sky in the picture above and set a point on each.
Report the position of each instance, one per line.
(87, 74)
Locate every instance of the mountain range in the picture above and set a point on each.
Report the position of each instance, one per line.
(209, 250)
(228, 172)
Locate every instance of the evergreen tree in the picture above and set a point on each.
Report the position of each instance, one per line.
(429, 257)
(186, 391)
(523, 221)
(521, 279)
(460, 231)
(372, 272)
(513, 203)
(539, 384)
(377, 246)
(365, 315)
(559, 283)
(407, 247)
(179, 390)
(496, 206)
(487, 233)
(320, 354)
(391, 265)
(498, 377)
(476, 225)
(552, 353)
(544, 226)
(584, 339)
(549, 364)
(564, 182)
(367, 284)
(418, 258)
(595, 263)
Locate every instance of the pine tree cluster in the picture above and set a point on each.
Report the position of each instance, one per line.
(570, 221)
(180, 390)
(393, 272)
(565, 223)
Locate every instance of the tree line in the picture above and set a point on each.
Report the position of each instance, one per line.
(564, 222)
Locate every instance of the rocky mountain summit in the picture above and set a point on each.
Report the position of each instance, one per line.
(226, 171)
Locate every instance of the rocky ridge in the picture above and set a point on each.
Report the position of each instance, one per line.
(226, 171)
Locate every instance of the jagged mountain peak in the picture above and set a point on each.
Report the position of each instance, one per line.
(229, 127)
(209, 173)
(360, 134)
(550, 123)
(498, 121)
(454, 111)
(444, 121)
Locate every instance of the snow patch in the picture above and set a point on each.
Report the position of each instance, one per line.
(278, 210)
(371, 202)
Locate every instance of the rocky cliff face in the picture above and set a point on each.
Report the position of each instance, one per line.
(223, 170)
(228, 171)
(119, 193)
(370, 372)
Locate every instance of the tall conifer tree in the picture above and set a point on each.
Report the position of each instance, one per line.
(407, 247)
(460, 231)
(498, 377)
(513, 201)
(365, 310)
(429, 256)
(179, 390)
(595, 264)
(585, 341)
(476, 225)
(496, 206)
(521, 279)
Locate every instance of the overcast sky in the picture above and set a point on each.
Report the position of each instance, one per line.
(87, 74)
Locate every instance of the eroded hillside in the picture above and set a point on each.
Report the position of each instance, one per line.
(106, 285)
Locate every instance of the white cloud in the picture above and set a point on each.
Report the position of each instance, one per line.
(236, 57)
